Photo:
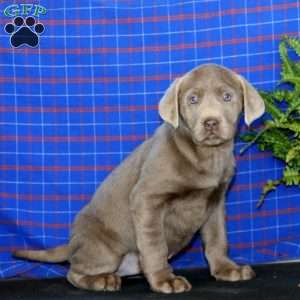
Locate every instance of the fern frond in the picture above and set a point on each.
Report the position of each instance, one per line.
(286, 63)
(293, 153)
(294, 43)
(271, 185)
(291, 176)
(281, 133)
(271, 108)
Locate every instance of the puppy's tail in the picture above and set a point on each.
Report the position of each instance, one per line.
(53, 255)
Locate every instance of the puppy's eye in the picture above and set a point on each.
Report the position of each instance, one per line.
(227, 97)
(193, 99)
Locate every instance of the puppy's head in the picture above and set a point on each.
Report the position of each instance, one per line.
(207, 103)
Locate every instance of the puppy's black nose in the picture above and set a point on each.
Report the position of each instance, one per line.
(210, 124)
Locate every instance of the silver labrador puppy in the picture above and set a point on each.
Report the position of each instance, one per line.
(171, 186)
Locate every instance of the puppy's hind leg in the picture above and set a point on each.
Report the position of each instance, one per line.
(96, 253)
(94, 268)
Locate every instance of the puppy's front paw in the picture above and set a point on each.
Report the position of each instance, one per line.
(164, 281)
(174, 284)
(231, 273)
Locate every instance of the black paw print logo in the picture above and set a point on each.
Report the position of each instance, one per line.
(24, 32)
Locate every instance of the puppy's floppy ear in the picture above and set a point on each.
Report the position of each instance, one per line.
(254, 106)
(168, 106)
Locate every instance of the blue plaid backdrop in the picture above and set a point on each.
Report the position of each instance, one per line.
(76, 105)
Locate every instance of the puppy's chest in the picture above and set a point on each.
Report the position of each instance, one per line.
(205, 184)
(213, 171)
(187, 212)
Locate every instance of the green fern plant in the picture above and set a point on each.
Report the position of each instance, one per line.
(281, 132)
